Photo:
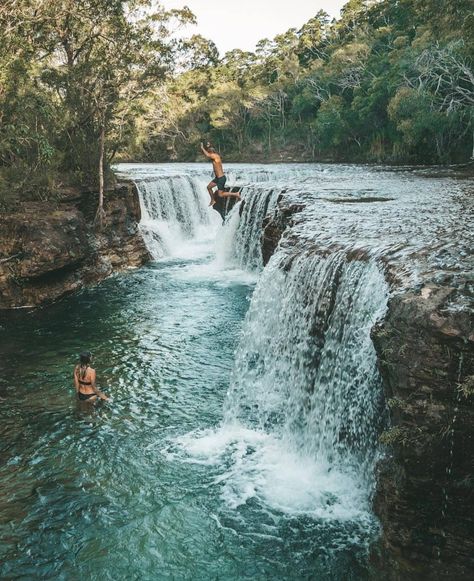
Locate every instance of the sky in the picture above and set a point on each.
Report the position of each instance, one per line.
(242, 23)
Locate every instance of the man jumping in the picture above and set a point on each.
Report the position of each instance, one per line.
(219, 176)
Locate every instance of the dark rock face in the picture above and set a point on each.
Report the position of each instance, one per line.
(425, 496)
(48, 251)
(425, 347)
(275, 225)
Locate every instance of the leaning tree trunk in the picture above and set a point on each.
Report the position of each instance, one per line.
(100, 210)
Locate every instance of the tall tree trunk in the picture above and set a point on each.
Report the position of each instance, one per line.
(269, 135)
(100, 210)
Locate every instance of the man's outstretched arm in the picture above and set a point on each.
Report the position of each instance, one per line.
(206, 153)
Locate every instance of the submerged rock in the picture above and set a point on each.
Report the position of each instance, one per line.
(49, 250)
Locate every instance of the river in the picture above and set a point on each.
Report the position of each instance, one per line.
(239, 444)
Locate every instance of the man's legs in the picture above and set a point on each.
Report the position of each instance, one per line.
(223, 194)
(210, 189)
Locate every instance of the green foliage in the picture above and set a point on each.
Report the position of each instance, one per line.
(73, 77)
(389, 81)
(331, 125)
(416, 119)
(395, 403)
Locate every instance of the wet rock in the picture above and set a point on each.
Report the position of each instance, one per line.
(48, 251)
(275, 225)
(425, 494)
(425, 347)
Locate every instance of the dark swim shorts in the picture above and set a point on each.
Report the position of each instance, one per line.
(220, 183)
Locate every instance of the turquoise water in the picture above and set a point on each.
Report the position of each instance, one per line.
(238, 444)
(107, 493)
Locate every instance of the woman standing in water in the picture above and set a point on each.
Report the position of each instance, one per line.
(84, 380)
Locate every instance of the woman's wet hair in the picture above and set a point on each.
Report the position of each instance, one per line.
(84, 361)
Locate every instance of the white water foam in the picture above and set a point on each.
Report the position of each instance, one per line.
(300, 426)
(176, 220)
(260, 465)
(300, 421)
(177, 223)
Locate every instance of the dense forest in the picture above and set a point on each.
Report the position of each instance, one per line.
(84, 84)
(390, 81)
(74, 79)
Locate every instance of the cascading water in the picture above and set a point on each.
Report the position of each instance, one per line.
(304, 410)
(306, 367)
(161, 483)
(247, 240)
(174, 210)
(305, 379)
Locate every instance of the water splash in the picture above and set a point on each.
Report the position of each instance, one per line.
(174, 211)
(304, 409)
(306, 367)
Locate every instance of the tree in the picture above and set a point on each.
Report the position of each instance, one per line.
(331, 125)
(313, 38)
(98, 58)
(417, 120)
(341, 85)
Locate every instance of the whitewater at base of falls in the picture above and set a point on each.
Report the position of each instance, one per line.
(242, 437)
(303, 411)
(261, 466)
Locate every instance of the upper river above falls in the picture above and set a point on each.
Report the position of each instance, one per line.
(242, 438)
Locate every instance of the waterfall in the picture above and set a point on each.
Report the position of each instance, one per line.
(174, 210)
(306, 367)
(175, 207)
(304, 405)
(245, 234)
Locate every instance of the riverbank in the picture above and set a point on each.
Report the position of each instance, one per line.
(49, 250)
